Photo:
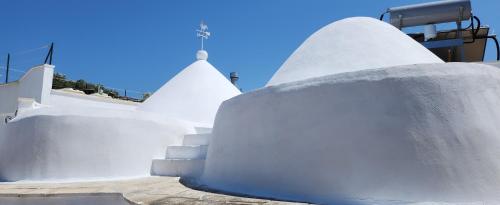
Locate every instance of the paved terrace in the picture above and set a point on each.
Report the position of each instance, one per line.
(148, 190)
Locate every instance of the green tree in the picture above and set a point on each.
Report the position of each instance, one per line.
(80, 85)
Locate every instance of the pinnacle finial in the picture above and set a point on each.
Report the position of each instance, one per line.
(202, 55)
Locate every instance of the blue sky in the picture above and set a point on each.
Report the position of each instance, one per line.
(139, 45)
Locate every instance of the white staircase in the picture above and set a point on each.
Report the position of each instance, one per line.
(187, 160)
(186, 152)
(196, 139)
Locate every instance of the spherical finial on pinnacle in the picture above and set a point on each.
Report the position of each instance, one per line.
(202, 55)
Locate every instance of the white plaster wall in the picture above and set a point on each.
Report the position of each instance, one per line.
(8, 97)
(352, 44)
(36, 84)
(54, 143)
(416, 133)
(79, 137)
(65, 100)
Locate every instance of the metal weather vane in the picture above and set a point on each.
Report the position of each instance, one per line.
(202, 33)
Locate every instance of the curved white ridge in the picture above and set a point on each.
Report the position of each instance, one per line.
(352, 44)
(194, 94)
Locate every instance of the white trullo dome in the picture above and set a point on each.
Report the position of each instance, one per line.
(352, 44)
(194, 94)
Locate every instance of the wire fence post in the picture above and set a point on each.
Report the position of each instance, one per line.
(7, 69)
(49, 54)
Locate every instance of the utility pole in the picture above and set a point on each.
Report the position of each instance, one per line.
(7, 71)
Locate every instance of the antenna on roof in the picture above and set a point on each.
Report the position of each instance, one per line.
(202, 32)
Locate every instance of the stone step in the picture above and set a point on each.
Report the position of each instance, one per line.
(177, 167)
(186, 152)
(203, 130)
(196, 139)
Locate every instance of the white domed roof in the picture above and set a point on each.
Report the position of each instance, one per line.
(352, 44)
(194, 94)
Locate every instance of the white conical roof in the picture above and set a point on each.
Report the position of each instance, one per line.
(352, 44)
(194, 94)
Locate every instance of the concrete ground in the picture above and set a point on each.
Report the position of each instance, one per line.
(149, 190)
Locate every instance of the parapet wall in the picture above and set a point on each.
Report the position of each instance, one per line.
(49, 146)
(413, 133)
(36, 84)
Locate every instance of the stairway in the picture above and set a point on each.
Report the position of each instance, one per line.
(187, 160)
